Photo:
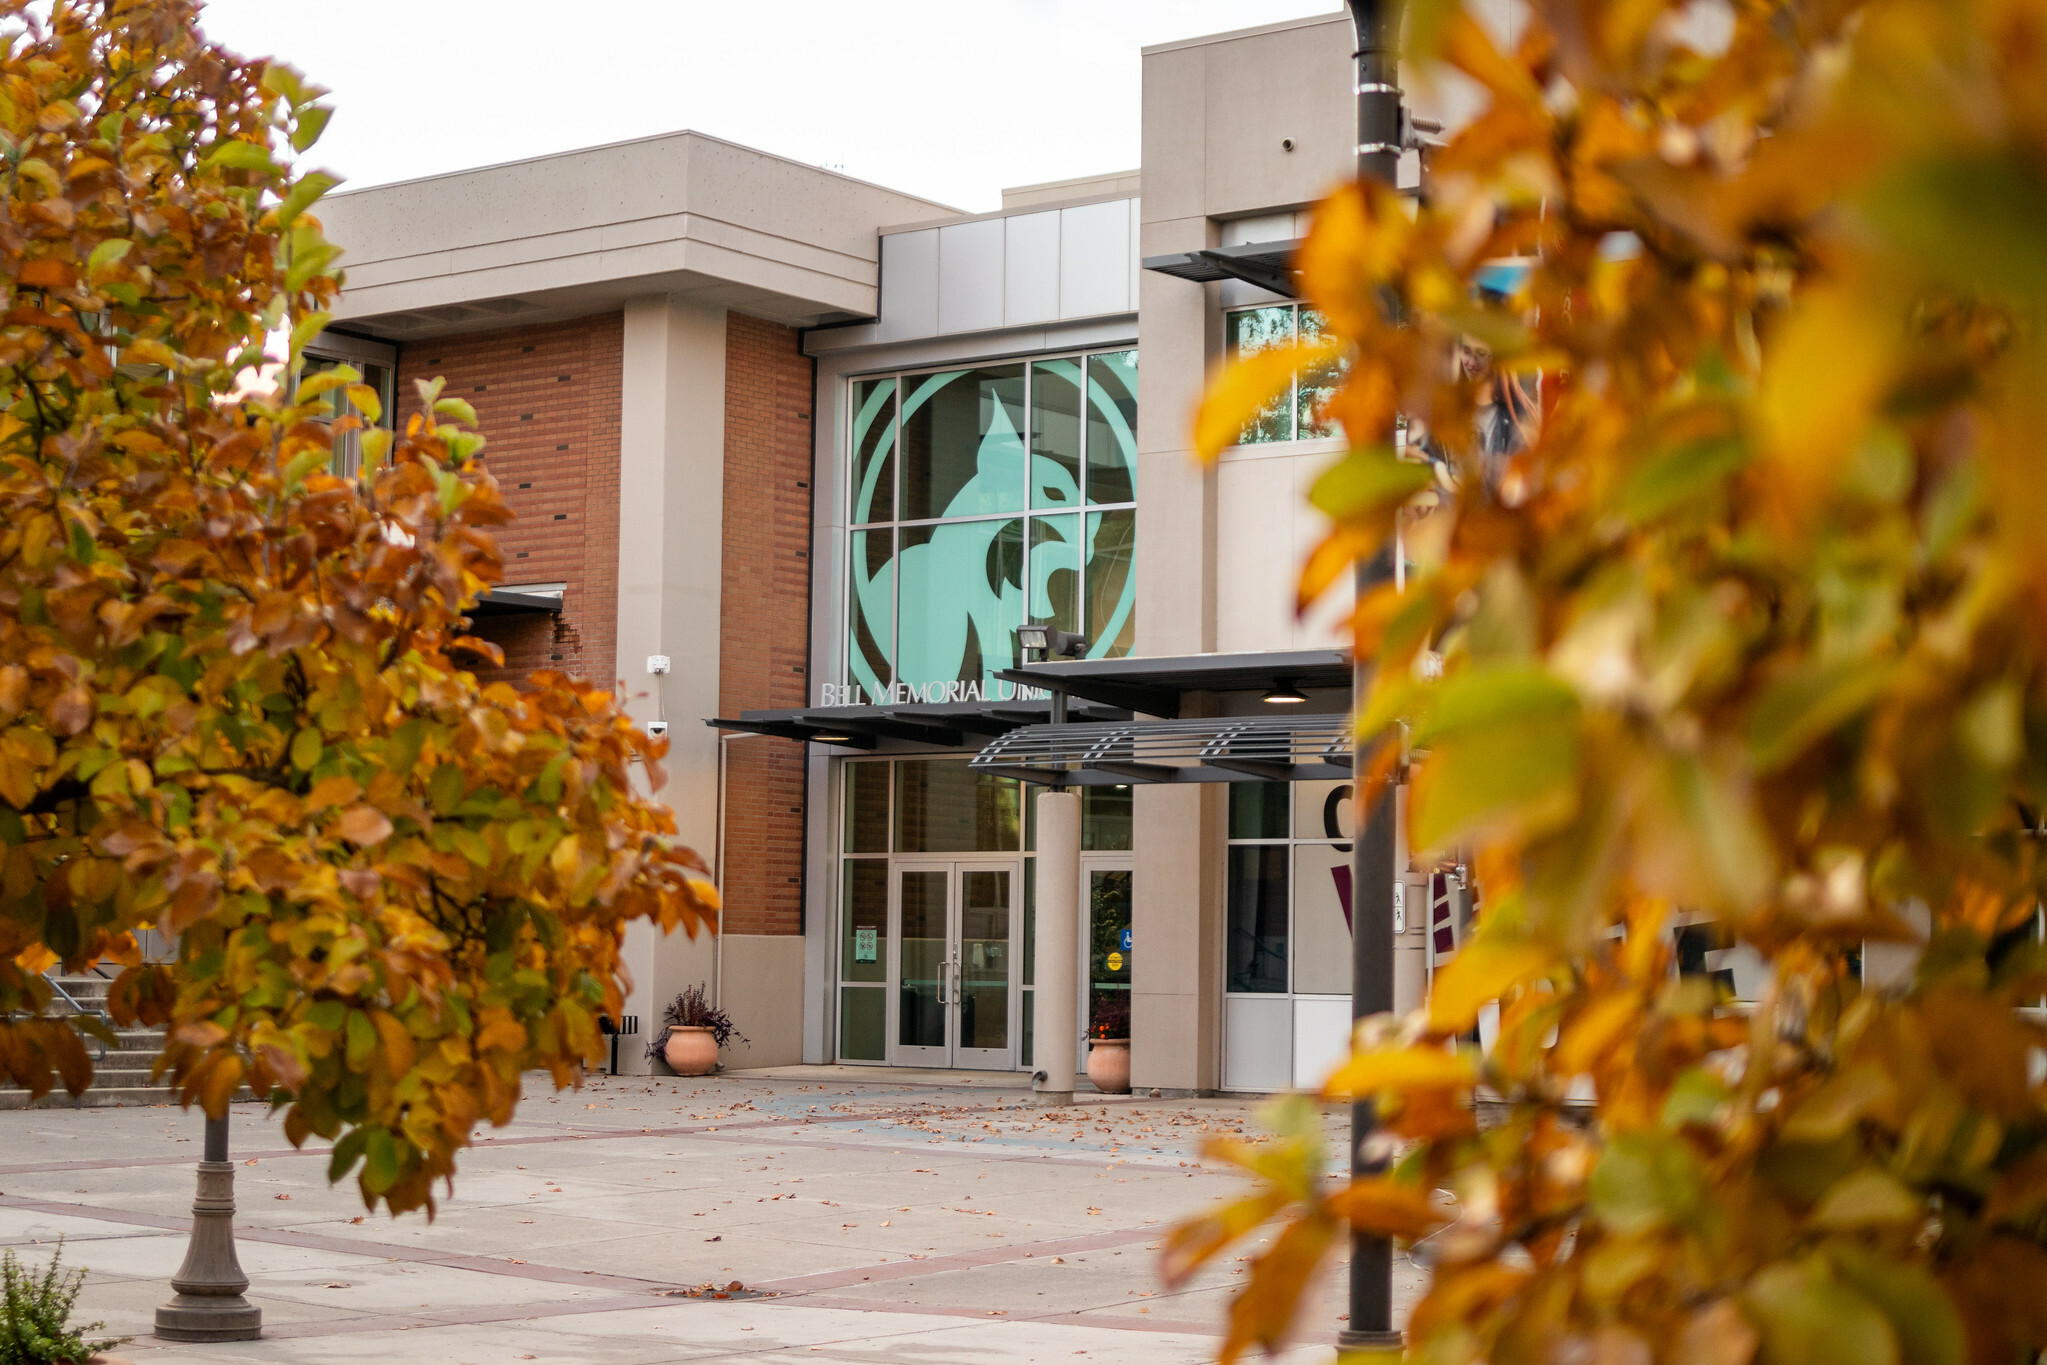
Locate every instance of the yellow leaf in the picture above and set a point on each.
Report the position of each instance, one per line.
(1596, 1031)
(1234, 401)
(1826, 368)
(1385, 1207)
(1868, 1198)
(1407, 1068)
(332, 791)
(1486, 969)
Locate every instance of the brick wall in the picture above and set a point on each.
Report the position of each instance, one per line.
(548, 398)
(765, 618)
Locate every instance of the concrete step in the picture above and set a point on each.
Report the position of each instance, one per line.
(98, 1097)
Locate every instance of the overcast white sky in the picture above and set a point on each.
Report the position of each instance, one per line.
(949, 99)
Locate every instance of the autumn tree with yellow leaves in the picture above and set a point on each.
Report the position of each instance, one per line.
(1753, 627)
(234, 703)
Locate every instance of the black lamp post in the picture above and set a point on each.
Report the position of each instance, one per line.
(209, 1305)
(1372, 853)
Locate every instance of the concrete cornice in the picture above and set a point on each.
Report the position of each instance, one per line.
(1336, 16)
(580, 232)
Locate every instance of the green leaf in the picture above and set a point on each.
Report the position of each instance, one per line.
(1645, 1181)
(1928, 1327)
(1698, 1097)
(106, 253)
(457, 408)
(303, 194)
(1799, 710)
(1523, 774)
(347, 1151)
(1806, 1317)
(305, 749)
(1672, 478)
(362, 1040)
(1979, 221)
(237, 155)
(380, 1165)
(312, 121)
(1489, 696)
(307, 328)
(1368, 479)
(445, 788)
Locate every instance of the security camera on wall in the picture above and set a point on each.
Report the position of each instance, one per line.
(657, 728)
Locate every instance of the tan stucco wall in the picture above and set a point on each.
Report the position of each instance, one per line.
(760, 984)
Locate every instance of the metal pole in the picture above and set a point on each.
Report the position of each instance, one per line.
(1370, 1324)
(209, 1305)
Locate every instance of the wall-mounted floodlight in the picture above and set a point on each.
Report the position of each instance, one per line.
(1050, 641)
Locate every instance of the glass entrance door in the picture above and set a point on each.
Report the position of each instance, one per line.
(1105, 946)
(955, 997)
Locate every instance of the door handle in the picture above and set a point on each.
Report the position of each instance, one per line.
(944, 975)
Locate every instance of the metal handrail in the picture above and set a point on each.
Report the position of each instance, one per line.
(72, 1000)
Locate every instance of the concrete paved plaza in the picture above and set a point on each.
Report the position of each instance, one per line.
(870, 1217)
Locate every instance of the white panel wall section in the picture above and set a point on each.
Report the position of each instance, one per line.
(1261, 507)
(909, 285)
(1321, 1039)
(1005, 270)
(1030, 269)
(1094, 260)
(1135, 250)
(1258, 1042)
(970, 276)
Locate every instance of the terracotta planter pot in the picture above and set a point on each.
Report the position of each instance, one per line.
(1108, 1065)
(692, 1051)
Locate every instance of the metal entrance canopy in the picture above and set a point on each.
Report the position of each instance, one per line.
(1155, 686)
(942, 725)
(1268, 265)
(1223, 749)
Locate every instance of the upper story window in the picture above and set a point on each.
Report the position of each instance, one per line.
(1298, 414)
(981, 500)
(377, 362)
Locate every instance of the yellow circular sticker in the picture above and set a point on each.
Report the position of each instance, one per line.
(1115, 962)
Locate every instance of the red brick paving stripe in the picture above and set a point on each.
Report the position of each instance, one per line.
(1083, 1319)
(586, 1134)
(1006, 1254)
(794, 1291)
(1003, 1255)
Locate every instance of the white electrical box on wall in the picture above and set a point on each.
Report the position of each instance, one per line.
(657, 663)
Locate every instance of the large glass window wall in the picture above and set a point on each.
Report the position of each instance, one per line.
(897, 814)
(984, 499)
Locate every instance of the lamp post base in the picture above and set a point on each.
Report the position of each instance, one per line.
(191, 1317)
(208, 1303)
(1347, 1340)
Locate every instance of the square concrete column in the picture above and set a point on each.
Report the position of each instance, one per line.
(1056, 1040)
(1178, 831)
(1176, 927)
(670, 545)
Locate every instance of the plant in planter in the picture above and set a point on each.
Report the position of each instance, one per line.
(1108, 1053)
(35, 1314)
(695, 1031)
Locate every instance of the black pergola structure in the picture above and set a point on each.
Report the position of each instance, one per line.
(1102, 696)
